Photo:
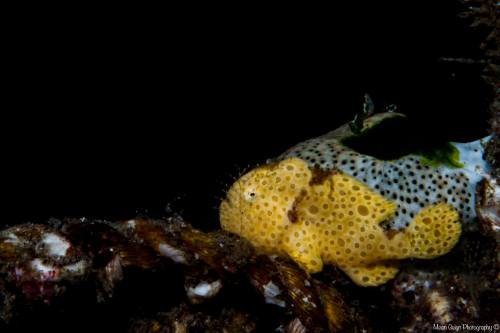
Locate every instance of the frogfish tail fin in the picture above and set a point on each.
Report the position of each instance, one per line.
(434, 231)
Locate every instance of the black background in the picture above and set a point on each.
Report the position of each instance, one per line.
(110, 113)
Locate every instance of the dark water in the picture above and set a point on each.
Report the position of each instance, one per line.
(127, 122)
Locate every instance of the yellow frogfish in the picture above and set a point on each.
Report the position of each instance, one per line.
(322, 202)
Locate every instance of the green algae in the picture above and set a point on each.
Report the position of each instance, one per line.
(446, 154)
(391, 139)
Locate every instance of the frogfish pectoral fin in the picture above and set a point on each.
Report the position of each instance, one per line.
(433, 232)
(372, 274)
(300, 244)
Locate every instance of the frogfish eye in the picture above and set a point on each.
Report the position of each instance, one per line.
(250, 195)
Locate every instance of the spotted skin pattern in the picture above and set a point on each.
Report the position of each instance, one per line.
(409, 181)
(289, 209)
(322, 202)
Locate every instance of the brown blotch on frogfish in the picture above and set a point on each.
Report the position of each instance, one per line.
(339, 214)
